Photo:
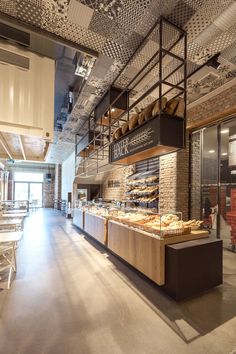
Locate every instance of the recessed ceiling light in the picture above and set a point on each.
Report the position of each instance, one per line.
(224, 154)
(211, 151)
(224, 131)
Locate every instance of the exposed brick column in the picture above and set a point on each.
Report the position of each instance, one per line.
(57, 186)
(10, 194)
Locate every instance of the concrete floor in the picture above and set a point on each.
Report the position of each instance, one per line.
(71, 297)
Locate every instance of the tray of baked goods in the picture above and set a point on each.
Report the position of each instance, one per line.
(163, 225)
(142, 190)
(147, 199)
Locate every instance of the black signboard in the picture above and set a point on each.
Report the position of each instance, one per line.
(162, 130)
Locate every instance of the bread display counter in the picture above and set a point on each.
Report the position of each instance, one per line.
(138, 236)
(95, 223)
(78, 217)
(143, 250)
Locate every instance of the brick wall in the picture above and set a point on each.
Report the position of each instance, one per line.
(116, 174)
(48, 192)
(214, 105)
(57, 187)
(167, 183)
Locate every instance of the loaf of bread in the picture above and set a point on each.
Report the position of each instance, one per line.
(133, 122)
(141, 117)
(171, 106)
(159, 106)
(180, 108)
(117, 134)
(148, 110)
(125, 128)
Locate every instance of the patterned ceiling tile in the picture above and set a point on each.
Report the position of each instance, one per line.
(79, 14)
(9, 7)
(197, 24)
(149, 49)
(195, 4)
(160, 7)
(116, 51)
(206, 36)
(29, 12)
(133, 41)
(181, 14)
(131, 13)
(146, 21)
(222, 42)
(229, 52)
(102, 25)
(106, 7)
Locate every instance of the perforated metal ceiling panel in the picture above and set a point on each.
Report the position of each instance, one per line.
(116, 28)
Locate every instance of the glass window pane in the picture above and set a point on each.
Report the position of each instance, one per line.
(28, 176)
(210, 162)
(21, 191)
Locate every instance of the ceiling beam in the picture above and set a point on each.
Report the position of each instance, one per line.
(22, 147)
(5, 147)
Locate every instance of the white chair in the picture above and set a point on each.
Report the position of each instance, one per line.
(7, 261)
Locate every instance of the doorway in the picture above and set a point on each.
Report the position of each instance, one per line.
(29, 186)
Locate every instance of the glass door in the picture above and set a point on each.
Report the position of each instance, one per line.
(21, 191)
(36, 194)
(228, 184)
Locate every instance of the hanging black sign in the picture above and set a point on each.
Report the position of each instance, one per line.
(165, 130)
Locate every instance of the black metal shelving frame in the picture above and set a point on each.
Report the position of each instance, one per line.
(98, 146)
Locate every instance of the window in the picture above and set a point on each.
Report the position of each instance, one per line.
(28, 177)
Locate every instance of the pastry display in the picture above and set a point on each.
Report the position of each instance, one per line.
(194, 224)
(162, 225)
(142, 181)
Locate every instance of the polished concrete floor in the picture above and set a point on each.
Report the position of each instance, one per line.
(71, 297)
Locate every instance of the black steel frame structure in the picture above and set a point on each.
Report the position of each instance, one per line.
(169, 37)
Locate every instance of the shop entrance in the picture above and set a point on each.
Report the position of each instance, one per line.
(217, 163)
(29, 186)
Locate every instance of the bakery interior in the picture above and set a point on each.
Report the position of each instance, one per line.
(118, 176)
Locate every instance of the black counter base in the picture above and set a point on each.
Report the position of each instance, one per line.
(193, 267)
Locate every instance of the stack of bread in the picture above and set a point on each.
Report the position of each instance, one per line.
(174, 107)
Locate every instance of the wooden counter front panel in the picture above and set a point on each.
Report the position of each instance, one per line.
(78, 218)
(96, 227)
(142, 251)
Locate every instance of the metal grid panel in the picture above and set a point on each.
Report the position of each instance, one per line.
(102, 25)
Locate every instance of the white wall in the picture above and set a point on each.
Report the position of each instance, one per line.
(67, 176)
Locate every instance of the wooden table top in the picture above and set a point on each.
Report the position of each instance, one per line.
(13, 215)
(10, 236)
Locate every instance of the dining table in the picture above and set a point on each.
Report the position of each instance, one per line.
(10, 239)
